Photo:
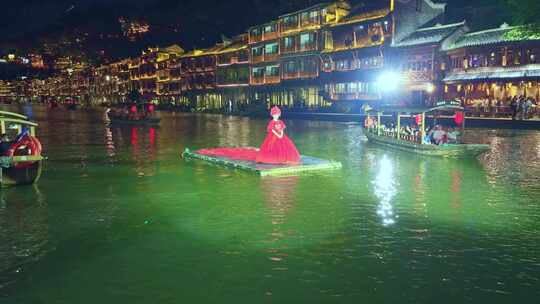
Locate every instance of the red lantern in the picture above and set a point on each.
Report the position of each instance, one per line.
(133, 109)
(150, 108)
(458, 118)
(418, 119)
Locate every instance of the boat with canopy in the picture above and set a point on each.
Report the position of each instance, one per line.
(133, 115)
(419, 140)
(20, 150)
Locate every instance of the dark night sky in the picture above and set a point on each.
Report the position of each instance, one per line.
(201, 22)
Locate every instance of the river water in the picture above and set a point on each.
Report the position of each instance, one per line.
(119, 217)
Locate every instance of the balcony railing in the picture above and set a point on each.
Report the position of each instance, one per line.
(307, 47)
(270, 36)
(353, 96)
(289, 26)
(300, 75)
(272, 79)
(265, 80)
(257, 80)
(305, 22)
(271, 57)
(418, 76)
(257, 59)
(255, 38)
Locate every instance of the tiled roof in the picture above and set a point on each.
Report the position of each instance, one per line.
(502, 34)
(235, 46)
(430, 35)
(175, 48)
(495, 73)
(203, 52)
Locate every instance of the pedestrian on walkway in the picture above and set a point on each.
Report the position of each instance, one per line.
(514, 107)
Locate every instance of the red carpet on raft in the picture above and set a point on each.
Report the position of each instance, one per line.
(247, 154)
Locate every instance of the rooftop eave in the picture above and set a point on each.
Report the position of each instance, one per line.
(367, 17)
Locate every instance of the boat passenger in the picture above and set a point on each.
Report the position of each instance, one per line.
(5, 144)
(439, 136)
(453, 135)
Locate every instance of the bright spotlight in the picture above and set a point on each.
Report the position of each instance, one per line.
(389, 81)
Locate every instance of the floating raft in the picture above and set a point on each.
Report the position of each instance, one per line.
(307, 164)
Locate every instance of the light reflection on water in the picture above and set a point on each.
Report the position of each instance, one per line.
(385, 190)
(118, 214)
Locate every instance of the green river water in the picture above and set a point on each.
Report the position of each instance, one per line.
(119, 217)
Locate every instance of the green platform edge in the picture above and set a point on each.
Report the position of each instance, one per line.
(329, 165)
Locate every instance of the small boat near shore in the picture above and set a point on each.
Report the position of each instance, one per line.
(149, 121)
(133, 114)
(416, 142)
(20, 158)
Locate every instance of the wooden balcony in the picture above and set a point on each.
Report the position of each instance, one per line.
(271, 57)
(300, 75)
(352, 96)
(265, 80)
(418, 76)
(272, 79)
(288, 50)
(310, 21)
(285, 27)
(255, 38)
(257, 59)
(270, 36)
(307, 48)
(257, 80)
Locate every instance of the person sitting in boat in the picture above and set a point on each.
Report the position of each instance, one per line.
(277, 148)
(369, 123)
(453, 136)
(408, 130)
(133, 113)
(150, 109)
(439, 136)
(5, 144)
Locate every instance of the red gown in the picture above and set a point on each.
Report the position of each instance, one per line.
(275, 150)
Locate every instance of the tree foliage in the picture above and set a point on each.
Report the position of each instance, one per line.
(525, 11)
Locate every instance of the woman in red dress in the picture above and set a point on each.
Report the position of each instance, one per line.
(277, 148)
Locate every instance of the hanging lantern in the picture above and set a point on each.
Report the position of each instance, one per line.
(418, 119)
(458, 118)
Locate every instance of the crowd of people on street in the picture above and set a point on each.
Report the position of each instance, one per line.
(518, 107)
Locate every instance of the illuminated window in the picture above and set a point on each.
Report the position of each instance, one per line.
(307, 40)
(271, 28)
(272, 70)
(258, 72)
(290, 67)
(257, 51)
(271, 48)
(288, 42)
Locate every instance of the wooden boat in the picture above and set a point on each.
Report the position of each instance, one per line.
(417, 144)
(149, 121)
(307, 164)
(21, 163)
